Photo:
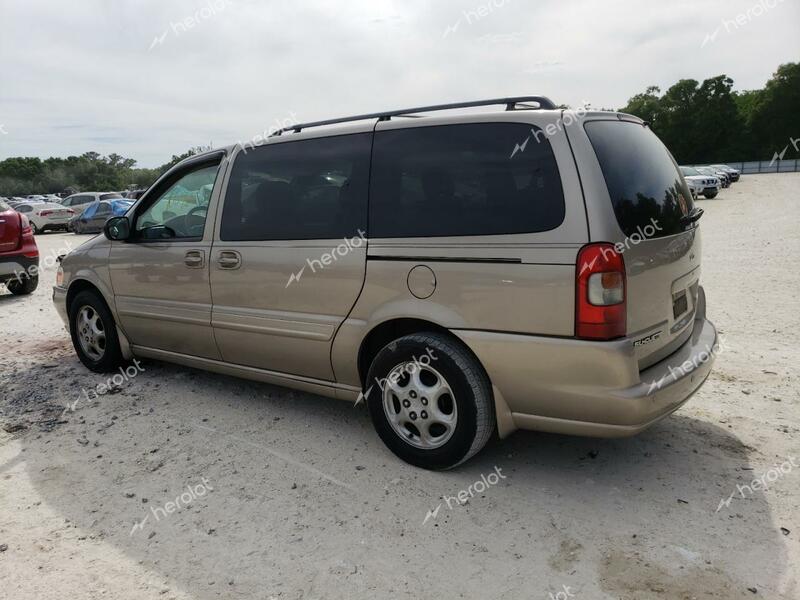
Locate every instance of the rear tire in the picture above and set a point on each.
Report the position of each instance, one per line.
(436, 432)
(94, 333)
(24, 285)
(36, 230)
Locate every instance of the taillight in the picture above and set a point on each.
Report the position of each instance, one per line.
(600, 307)
(27, 240)
(45, 213)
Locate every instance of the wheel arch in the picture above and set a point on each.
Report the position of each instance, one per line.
(79, 285)
(392, 329)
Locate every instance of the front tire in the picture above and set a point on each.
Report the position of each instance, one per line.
(430, 400)
(24, 285)
(711, 195)
(35, 229)
(94, 333)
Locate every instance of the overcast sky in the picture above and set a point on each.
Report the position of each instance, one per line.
(149, 79)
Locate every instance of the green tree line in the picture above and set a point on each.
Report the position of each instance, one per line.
(20, 176)
(709, 122)
(699, 122)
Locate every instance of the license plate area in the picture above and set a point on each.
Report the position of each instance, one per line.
(680, 304)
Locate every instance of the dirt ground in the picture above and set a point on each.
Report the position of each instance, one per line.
(185, 484)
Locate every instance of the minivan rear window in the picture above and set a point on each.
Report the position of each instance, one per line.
(643, 180)
(463, 180)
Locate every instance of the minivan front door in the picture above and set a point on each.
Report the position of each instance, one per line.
(161, 275)
(289, 254)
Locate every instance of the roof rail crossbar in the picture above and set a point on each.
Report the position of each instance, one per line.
(511, 103)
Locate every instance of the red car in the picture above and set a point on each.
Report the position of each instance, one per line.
(19, 255)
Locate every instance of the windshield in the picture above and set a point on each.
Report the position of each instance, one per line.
(689, 171)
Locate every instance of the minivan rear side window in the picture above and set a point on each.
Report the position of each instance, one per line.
(462, 180)
(300, 190)
(644, 183)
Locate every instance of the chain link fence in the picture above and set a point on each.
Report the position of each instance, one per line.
(766, 166)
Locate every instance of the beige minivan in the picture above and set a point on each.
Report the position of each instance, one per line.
(464, 272)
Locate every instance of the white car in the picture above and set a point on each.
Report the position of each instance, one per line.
(45, 215)
(699, 184)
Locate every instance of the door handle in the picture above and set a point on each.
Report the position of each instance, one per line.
(194, 259)
(229, 259)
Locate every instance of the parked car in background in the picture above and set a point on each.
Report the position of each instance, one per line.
(707, 185)
(88, 197)
(734, 174)
(46, 216)
(53, 198)
(19, 256)
(35, 197)
(472, 292)
(724, 178)
(134, 194)
(95, 215)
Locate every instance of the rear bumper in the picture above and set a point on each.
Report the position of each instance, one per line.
(60, 303)
(16, 266)
(590, 388)
(53, 226)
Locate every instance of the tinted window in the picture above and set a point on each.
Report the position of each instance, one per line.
(110, 196)
(103, 208)
(642, 178)
(24, 208)
(310, 189)
(463, 180)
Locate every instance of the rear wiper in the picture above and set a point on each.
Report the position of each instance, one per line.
(693, 216)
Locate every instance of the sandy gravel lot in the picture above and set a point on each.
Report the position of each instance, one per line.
(282, 495)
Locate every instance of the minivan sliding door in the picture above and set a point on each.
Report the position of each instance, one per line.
(289, 254)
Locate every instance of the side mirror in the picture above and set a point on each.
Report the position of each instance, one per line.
(117, 228)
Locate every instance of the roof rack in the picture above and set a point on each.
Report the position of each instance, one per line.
(543, 102)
